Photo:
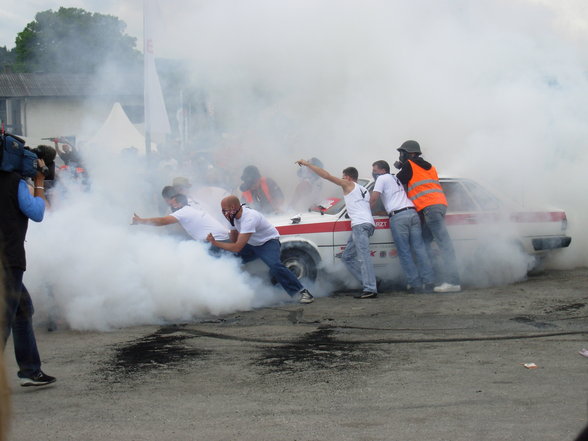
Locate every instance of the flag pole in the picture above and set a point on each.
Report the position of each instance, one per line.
(157, 125)
(146, 107)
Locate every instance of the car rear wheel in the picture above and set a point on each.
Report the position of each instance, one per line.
(494, 263)
(300, 263)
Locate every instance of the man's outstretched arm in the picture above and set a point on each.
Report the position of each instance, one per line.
(155, 221)
(347, 186)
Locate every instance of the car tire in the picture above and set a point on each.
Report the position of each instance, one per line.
(537, 267)
(300, 263)
(496, 262)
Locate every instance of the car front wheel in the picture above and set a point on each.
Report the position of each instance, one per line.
(300, 263)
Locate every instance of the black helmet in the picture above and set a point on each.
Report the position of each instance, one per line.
(250, 172)
(410, 147)
(249, 177)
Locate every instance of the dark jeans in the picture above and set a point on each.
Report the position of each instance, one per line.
(19, 320)
(269, 253)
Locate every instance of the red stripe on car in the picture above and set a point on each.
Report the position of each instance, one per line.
(450, 219)
(539, 216)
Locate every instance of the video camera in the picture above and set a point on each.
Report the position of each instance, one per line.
(15, 156)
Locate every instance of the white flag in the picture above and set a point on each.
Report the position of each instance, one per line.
(156, 120)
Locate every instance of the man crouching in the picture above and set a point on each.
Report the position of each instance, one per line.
(252, 237)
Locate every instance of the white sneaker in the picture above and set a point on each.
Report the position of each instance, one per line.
(305, 297)
(447, 287)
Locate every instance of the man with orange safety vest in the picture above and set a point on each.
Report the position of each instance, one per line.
(406, 228)
(425, 191)
(259, 192)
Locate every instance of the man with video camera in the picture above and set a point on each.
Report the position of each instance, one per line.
(17, 206)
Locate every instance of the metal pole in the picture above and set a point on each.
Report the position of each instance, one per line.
(147, 111)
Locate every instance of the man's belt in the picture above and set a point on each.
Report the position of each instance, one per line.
(392, 213)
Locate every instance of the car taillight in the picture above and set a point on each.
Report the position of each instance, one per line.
(564, 223)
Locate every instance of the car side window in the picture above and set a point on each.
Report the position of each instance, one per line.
(457, 197)
(484, 198)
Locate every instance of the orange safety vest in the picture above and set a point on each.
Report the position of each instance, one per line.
(66, 167)
(264, 187)
(424, 188)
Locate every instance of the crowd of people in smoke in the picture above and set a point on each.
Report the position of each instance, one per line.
(199, 176)
(231, 218)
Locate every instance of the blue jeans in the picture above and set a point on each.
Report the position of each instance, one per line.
(408, 237)
(269, 253)
(19, 320)
(356, 256)
(434, 228)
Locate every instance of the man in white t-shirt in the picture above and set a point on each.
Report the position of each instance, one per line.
(356, 256)
(405, 225)
(205, 197)
(197, 223)
(252, 237)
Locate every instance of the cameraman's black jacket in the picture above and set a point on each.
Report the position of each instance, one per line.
(13, 223)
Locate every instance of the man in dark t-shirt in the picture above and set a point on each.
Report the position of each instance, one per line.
(17, 206)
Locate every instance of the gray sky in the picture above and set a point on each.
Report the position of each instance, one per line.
(15, 14)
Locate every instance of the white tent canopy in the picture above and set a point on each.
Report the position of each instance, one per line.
(118, 133)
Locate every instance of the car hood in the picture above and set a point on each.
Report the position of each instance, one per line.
(309, 217)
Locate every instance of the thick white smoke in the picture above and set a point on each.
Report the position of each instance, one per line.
(492, 90)
(496, 82)
(91, 269)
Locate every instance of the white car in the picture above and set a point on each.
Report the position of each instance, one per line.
(479, 224)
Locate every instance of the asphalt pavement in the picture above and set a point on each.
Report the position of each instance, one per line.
(487, 364)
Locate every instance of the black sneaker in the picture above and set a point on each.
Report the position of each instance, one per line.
(366, 295)
(38, 379)
(379, 284)
(305, 297)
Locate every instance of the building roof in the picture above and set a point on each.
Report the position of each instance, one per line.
(18, 85)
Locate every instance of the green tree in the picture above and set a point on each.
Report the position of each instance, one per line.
(6, 58)
(73, 40)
